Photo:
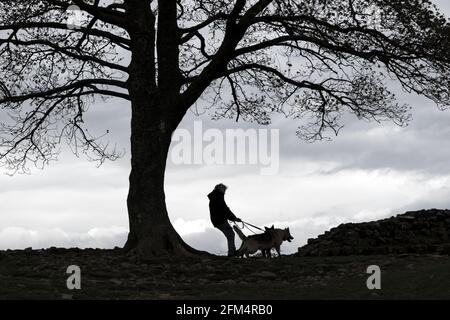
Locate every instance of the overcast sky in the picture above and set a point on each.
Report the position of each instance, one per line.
(370, 171)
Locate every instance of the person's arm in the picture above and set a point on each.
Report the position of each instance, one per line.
(230, 215)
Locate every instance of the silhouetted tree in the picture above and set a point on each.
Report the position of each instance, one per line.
(308, 59)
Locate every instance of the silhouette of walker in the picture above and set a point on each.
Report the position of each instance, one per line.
(220, 214)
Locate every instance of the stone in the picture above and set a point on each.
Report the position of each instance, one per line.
(424, 231)
(116, 281)
(264, 274)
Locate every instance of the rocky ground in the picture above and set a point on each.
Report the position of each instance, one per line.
(412, 251)
(423, 232)
(108, 274)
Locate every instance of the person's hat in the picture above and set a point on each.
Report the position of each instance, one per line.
(221, 188)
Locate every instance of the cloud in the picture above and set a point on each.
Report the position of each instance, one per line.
(212, 240)
(20, 238)
(186, 227)
(368, 172)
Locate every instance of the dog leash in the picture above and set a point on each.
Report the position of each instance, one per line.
(243, 227)
(251, 225)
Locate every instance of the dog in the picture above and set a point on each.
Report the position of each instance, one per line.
(271, 238)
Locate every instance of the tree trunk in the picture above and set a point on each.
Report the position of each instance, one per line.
(151, 232)
(154, 117)
(156, 113)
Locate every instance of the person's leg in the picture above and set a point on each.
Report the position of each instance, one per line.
(229, 234)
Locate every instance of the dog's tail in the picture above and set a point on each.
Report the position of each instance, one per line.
(239, 232)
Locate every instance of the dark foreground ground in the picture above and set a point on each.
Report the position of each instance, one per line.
(107, 274)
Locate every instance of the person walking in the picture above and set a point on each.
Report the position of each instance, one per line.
(220, 214)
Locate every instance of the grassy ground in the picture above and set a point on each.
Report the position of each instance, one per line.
(107, 274)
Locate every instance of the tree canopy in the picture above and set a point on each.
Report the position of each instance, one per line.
(307, 59)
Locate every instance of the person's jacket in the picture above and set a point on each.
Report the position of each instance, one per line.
(218, 209)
